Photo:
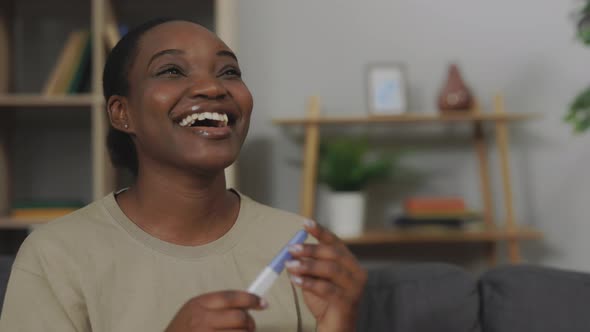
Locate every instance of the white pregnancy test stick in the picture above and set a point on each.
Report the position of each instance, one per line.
(271, 272)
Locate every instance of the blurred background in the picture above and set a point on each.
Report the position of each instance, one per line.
(441, 126)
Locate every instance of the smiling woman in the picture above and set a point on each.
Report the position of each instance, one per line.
(172, 251)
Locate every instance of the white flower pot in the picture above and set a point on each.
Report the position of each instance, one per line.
(346, 213)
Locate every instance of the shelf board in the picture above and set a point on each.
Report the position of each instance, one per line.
(11, 223)
(408, 118)
(375, 237)
(36, 100)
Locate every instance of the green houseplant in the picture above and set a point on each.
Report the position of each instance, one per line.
(347, 166)
(578, 114)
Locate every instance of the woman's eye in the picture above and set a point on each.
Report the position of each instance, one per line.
(232, 72)
(172, 71)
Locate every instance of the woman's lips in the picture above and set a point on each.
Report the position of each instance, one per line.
(210, 132)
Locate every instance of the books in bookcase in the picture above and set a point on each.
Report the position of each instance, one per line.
(434, 204)
(72, 71)
(445, 212)
(42, 210)
(112, 33)
(73, 61)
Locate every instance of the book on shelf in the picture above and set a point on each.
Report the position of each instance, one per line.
(73, 69)
(465, 215)
(43, 210)
(434, 204)
(433, 212)
(81, 79)
(444, 222)
(113, 31)
(74, 59)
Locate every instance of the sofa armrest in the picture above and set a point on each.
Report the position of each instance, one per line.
(533, 298)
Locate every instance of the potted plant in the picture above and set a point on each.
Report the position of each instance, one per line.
(578, 114)
(347, 166)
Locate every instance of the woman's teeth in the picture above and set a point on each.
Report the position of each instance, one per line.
(221, 119)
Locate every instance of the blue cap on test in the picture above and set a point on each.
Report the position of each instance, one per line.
(278, 263)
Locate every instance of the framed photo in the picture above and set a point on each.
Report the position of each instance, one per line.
(386, 89)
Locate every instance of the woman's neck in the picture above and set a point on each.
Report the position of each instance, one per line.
(179, 208)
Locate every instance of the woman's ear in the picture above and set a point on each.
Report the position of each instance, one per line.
(119, 113)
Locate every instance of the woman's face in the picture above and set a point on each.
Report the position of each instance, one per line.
(187, 106)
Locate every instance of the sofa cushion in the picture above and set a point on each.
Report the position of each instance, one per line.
(532, 298)
(421, 297)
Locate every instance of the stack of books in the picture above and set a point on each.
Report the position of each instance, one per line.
(43, 210)
(71, 73)
(436, 212)
(73, 69)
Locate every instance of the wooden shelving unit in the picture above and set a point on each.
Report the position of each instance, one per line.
(492, 233)
(18, 98)
(9, 223)
(444, 236)
(34, 100)
(408, 119)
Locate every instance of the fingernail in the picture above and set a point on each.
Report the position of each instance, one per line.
(297, 280)
(309, 223)
(263, 303)
(296, 248)
(293, 264)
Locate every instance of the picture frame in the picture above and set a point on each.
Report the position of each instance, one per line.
(386, 89)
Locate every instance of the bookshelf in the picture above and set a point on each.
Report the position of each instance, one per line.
(52, 143)
(406, 119)
(10, 223)
(492, 232)
(34, 100)
(444, 236)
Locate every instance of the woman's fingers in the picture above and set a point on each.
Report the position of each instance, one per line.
(319, 287)
(323, 252)
(232, 300)
(320, 233)
(321, 269)
(216, 311)
(234, 319)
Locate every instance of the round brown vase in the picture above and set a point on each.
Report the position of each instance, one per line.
(455, 96)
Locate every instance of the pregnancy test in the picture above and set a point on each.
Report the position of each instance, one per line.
(271, 272)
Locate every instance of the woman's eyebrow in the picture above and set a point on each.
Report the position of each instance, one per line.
(172, 51)
(227, 53)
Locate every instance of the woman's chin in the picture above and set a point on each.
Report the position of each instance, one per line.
(213, 165)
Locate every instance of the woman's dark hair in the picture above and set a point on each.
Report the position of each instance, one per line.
(115, 82)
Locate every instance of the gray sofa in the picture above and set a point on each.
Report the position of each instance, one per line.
(445, 298)
(441, 298)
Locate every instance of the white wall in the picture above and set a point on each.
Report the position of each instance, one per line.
(290, 50)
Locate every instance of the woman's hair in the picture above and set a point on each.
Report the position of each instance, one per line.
(115, 81)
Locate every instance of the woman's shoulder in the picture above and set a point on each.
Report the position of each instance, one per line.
(67, 236)
(92, 216)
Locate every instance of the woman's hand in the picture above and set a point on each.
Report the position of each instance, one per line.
(217, 311)
(331, 279)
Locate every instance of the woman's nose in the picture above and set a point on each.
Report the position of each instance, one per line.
(209, 88)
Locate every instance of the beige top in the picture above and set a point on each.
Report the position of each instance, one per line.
(95, 270)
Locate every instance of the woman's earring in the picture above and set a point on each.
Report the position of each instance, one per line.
(126, 126)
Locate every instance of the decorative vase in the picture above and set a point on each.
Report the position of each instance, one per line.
(455, 96)
(346, 213)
